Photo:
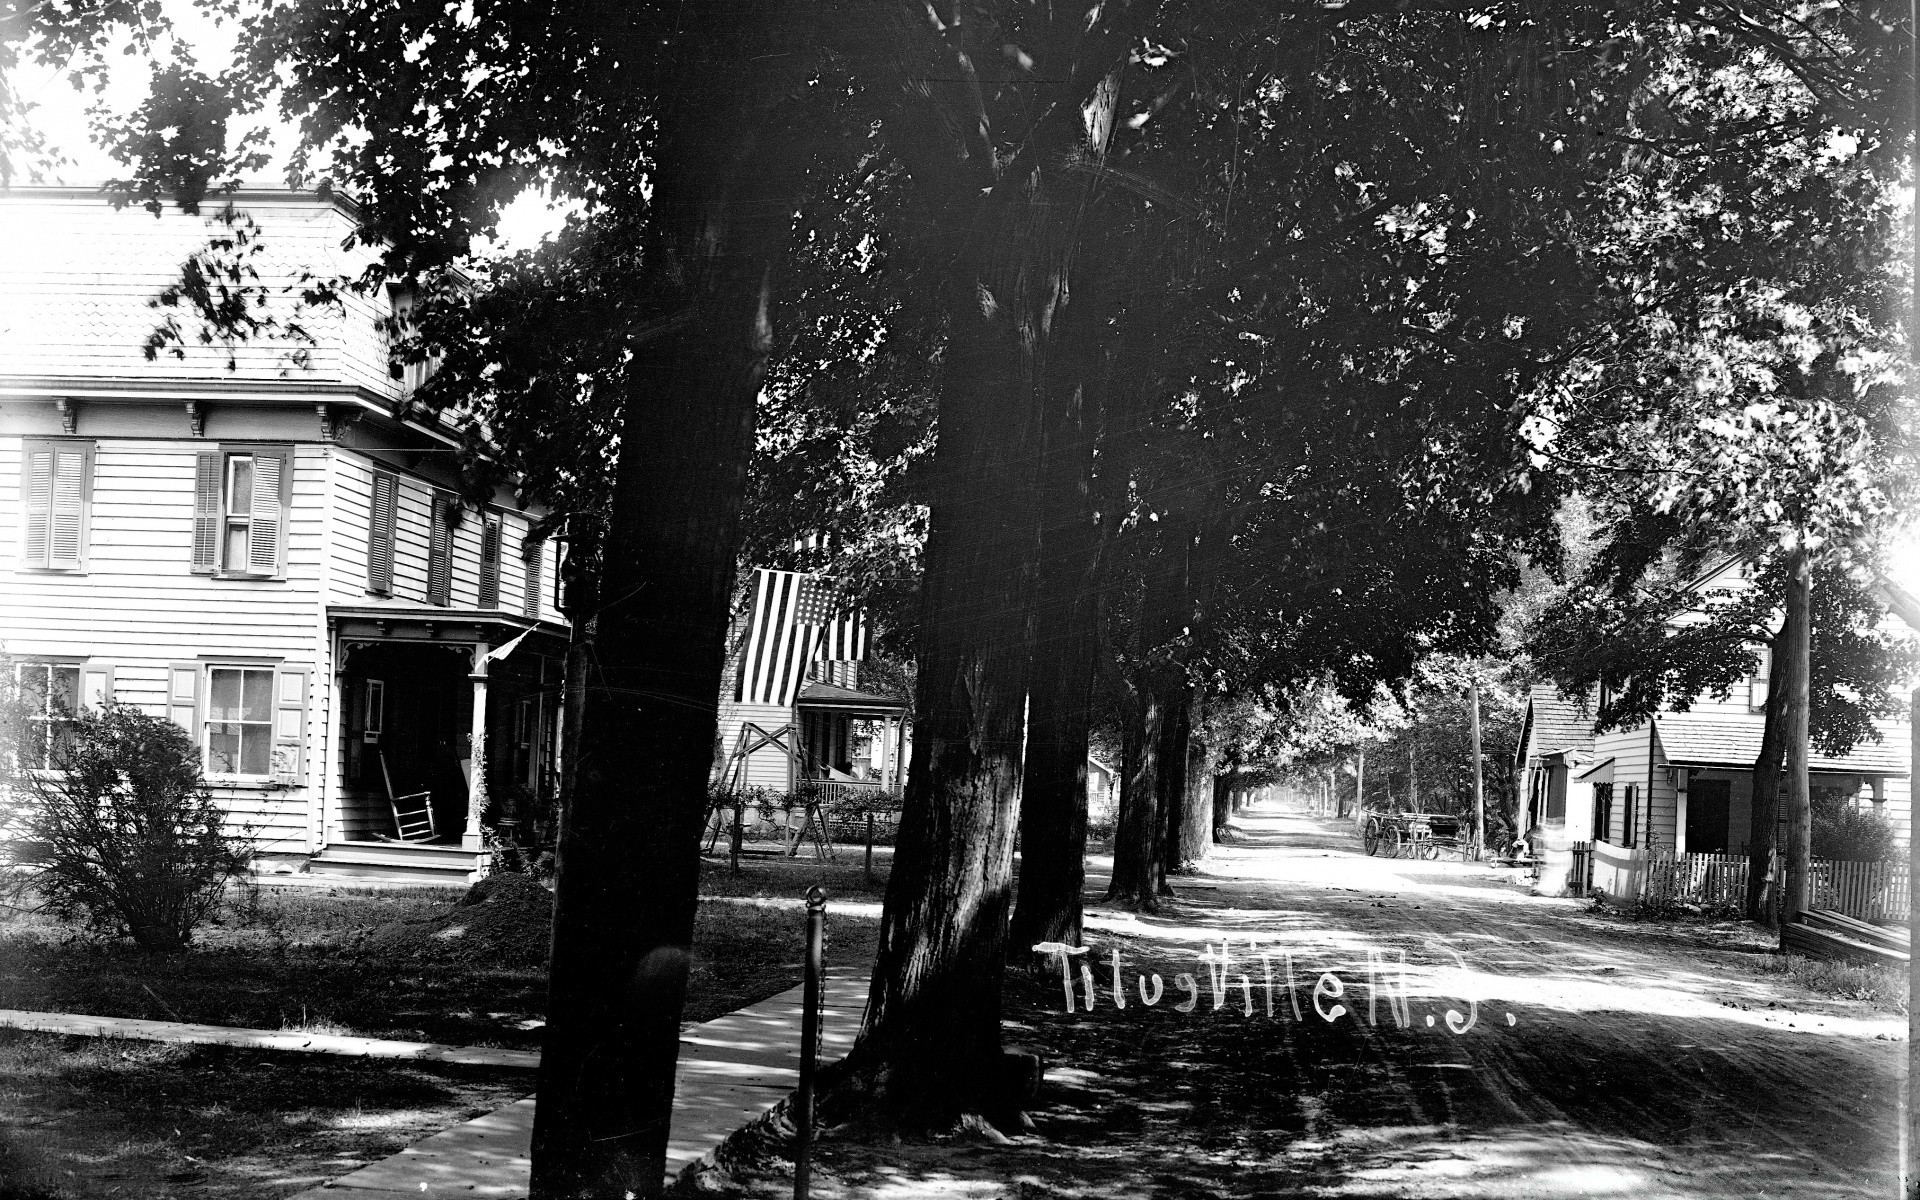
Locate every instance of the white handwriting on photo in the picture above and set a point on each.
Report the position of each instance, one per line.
(1386, 985)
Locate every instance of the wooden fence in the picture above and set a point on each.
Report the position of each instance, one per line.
(1867, 891)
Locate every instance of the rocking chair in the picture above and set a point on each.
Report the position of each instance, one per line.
(412, 813)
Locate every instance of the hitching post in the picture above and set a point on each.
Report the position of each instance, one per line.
(809, 1038)
(869, 867)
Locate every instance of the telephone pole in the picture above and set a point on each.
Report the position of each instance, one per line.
(1479, 798)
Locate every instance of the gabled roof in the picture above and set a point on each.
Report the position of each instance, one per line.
(1732, 739)
(1554, 723)
(815, 694)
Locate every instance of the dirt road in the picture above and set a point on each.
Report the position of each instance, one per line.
(1596, 1057)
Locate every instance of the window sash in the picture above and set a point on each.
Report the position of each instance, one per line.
(56, 484)
(53, 692)
(237, 728)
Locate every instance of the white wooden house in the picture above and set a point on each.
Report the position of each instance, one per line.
(1680, 783)
(273, 553)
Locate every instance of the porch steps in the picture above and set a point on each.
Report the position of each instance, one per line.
(395, 862)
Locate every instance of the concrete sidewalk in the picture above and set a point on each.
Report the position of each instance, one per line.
(732, 1069)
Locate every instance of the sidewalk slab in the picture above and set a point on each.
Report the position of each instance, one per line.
(732, 1069)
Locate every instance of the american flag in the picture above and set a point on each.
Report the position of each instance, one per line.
(795, 619)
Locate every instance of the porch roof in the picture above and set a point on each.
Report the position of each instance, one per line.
(429, 622)
(815, 694)
(1732, 740)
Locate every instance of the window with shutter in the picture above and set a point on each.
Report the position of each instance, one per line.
(56, 493)
(440, 549)
(240, 512)
(535, 553)
(386, 488)
(490, 563)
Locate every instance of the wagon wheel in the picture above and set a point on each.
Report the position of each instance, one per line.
(1371, 837)
(1428, 848)
(1395, 839)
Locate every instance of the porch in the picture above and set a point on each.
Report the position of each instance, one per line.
(444, 741)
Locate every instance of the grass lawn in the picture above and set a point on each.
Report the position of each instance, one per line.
(82, 1117)
(94, 1117)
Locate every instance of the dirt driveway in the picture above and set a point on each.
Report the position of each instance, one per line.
(1595, 1057)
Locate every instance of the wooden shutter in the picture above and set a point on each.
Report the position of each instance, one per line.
(386, 487)
(490, 564)
(289, 724)
(96, 686)
(183, 697)
(68, 510)
(206, 512)
(38, 507)
(535, 554)
(440, 549)
(267, 534)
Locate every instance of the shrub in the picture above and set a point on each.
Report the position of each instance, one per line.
(1845, 832)
(129, 842)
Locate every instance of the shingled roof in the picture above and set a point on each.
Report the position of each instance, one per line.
(1554, 723)
(1731, 739)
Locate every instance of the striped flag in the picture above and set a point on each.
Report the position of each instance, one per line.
(845, 637)
(795, 619)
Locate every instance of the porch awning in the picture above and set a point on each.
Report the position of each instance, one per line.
(1731, 741)
(429, 623)
(826, 697)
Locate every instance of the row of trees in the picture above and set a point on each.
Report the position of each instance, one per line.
(1220, 351)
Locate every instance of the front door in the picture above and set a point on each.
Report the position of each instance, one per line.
(1707, 801)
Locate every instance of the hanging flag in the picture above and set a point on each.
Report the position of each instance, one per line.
(788, 611)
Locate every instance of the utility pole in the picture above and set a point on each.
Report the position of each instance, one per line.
(1479, 799)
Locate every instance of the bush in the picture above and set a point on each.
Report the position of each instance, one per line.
(1850, 833)
(128, 841)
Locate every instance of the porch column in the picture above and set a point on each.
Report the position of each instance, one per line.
(1679, 811)
(477, 747)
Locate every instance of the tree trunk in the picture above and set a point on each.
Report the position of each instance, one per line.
(1137, 833)
(1793, 735)
(628, 850)
(1223, 802)
(1360, 787)
(1764, 813)
(1195, 828)
(1176, 734)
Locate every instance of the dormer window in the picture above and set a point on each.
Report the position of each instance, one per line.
(412, 375)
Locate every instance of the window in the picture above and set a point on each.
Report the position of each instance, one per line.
(1629, 815)
(56, 484)
(1757, 683)
(440, 549)
(1602, 811)
(382, 504)
(490, 563)
(239, 725)
(248, 719)
(239, 520)
(50, 694)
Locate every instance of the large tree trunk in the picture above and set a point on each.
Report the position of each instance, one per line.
(1137, 833)
(1193, 829)
(1764, 807)
(628, 852)
(1796, 794)
(1065, 641)
(1223, 800)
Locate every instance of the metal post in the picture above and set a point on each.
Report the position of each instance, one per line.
(733, 851)
(869, 867)
(809, 1040)
(1479, 797)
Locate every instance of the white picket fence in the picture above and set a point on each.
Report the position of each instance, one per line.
(1869, 891)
